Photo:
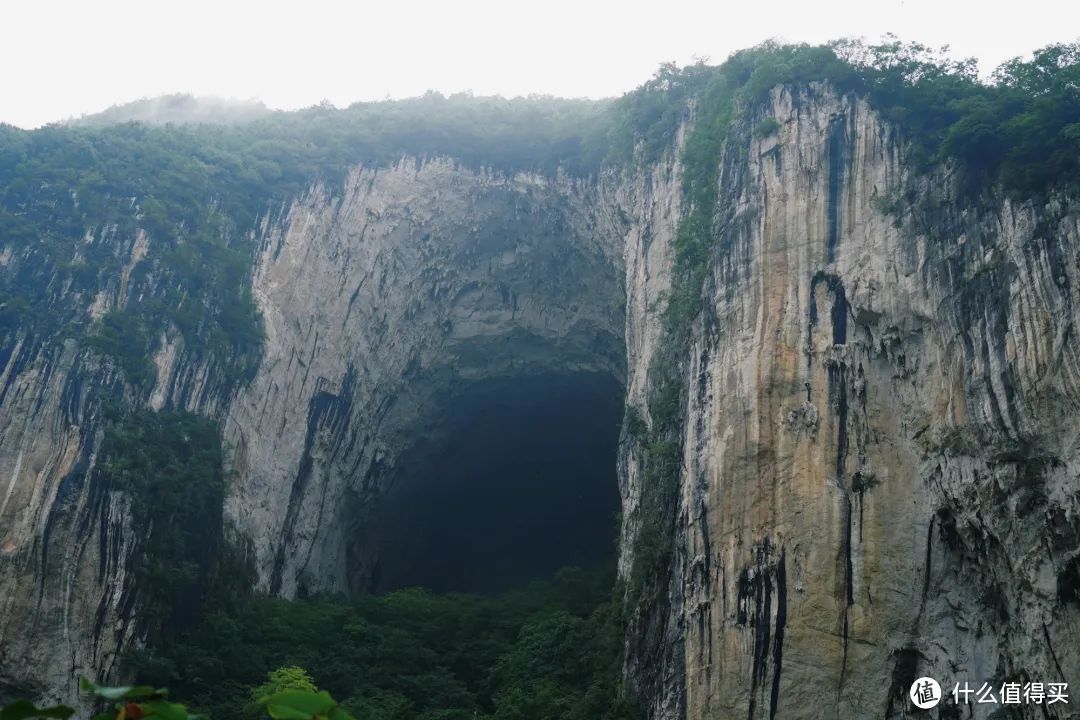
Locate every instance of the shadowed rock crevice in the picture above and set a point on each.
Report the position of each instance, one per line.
(515, 479)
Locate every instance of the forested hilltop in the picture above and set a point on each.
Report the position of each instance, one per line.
(200, 192)
(178, 109)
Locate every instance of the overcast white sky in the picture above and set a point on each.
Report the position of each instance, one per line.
(63, 58)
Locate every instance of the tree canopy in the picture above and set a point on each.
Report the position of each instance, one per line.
(551, 650)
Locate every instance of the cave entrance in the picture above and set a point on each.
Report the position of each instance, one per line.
(515, 479)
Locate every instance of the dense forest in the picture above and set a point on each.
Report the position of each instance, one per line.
(550, 650)
(553, 649)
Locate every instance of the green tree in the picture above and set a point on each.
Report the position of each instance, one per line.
(289, 678)
(285, 678)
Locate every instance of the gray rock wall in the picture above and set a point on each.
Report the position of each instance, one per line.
(382, 301)
(380, 305)
(880, 468)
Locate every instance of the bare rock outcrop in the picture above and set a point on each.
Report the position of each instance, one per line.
(880, 463)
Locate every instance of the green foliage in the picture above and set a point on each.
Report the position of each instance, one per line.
(290, 677)
(171, 464)
(410, 654)
(67, 195)
(303, 705)
(767, 127)
(199, 191)
(178, 108)
(127, 692)
(135, 703)
(24, 710)
(1021, 129)
(719, 95)
(649, 117)
(283, 680)
(551, 672)
(634, 422)
(122, 335)
(1017, 130)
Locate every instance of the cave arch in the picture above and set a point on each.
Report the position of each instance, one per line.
(426, 310)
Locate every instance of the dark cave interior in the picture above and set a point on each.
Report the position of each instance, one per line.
(516, 480)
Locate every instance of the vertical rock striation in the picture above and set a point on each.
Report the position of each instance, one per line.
(880, 456)
(382, 300)
(68, 604)
(65, 545)
(380, 306)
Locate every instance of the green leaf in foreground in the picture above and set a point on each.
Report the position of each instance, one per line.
(136, 692)
(302, 705)
(165, 710)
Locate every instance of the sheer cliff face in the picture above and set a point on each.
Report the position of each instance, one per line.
(881, 437)
(384, 304)
(383, 308)
(64, 548)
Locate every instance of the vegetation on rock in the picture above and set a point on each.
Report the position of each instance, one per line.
(1020, 131)
(171, 466)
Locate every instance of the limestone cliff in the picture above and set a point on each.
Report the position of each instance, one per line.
(381, 308)
(384, 301)
(879, 470)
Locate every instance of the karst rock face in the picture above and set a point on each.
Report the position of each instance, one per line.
(384, 303)
(880, 458)
(880, 421)
(382, 307)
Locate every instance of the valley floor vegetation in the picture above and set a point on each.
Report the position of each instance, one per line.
(551, 650)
